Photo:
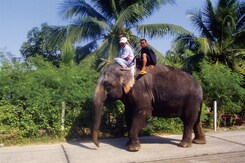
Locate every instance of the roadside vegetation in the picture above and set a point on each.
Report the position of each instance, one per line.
(59, 71)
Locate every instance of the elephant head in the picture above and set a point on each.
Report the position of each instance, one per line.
(112, 85)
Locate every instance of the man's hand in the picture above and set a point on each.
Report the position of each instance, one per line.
(127, 58)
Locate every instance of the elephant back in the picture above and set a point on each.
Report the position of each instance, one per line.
(170, 82)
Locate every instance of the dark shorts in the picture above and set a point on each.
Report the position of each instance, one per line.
(139, 62)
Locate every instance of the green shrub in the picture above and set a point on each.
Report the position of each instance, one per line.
(31, 96)
(222, 85)
(113, 120)
(163, 125)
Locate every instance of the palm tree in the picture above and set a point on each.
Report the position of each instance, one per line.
(222, 37)
(189, 51)
(100, 23)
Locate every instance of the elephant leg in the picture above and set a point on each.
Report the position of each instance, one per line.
(189, 118)
(186, 141)
(128, 119)
(138, 123)
(199, 134)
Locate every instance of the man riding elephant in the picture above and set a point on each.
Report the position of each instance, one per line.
(148, 57)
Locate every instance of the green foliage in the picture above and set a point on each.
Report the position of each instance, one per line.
(222, 85)
(113, 122)
(31, 96)
(166, 125)
(38, 44)
(222, 28)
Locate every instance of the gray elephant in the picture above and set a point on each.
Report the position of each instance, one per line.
(163, 92)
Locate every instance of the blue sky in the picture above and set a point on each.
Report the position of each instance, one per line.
(18, 17)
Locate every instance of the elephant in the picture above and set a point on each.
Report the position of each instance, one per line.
(163, 92)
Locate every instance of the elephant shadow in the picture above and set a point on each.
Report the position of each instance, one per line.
(121, 142)
(81, 143)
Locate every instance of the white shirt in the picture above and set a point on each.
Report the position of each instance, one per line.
(127, 51)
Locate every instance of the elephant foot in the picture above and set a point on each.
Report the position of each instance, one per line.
(199, 141)
(184, 144)
(133, 146)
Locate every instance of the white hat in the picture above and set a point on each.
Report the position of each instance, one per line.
(123, 40)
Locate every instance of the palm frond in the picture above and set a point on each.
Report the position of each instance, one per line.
(152, 5)
(160, 30)
(135, 43)
(239, 62)
(137, 11)
(89, 28)
(57, 36)
(103, 50)
(82, 51)
(197, 21)
(239, 38)
(172, 58)
(204, 45)
(70, 9)
(241, 16)
(130, 16)
(67, 52)
(114, 8)
(184, 41)
(191, 63)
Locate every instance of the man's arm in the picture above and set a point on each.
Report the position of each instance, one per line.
(125, 54)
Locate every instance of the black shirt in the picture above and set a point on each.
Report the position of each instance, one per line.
(151, 56)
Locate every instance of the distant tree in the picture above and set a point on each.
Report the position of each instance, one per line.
(104, 21)
(38, 44)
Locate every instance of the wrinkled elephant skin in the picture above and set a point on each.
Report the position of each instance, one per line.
(162, 92)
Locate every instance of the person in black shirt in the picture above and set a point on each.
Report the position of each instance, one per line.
(148, 57)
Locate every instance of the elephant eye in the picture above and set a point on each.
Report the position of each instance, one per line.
(107, 84)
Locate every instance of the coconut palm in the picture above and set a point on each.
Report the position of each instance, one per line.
(190, 50)
(98, 24)
(222, 37)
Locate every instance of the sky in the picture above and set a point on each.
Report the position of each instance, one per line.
(18, 17)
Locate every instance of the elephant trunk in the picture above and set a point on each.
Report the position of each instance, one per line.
(98, 102)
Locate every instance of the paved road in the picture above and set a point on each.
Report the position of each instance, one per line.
(221, 147)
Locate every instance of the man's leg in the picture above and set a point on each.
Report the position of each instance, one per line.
(144, 61)
(122, 63)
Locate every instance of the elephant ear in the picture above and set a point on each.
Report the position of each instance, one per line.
(127, 81)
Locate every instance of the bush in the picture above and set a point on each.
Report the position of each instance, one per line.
(31, 96)
(220, 84)
(163, 125)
